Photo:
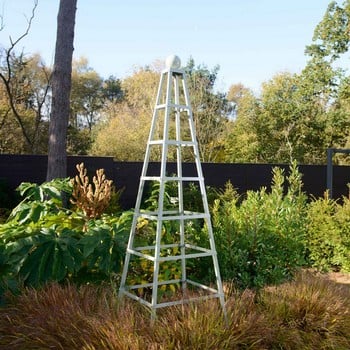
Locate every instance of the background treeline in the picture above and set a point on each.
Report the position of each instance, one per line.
(294, 116)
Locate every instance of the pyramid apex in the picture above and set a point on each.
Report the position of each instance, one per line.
(173, 61)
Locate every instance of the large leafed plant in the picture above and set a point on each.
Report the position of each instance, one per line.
(42, 241)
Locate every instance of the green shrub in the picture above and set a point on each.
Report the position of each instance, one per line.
(328, 234)
(259, 239)
(342, 218)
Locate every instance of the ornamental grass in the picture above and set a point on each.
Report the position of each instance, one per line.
(311, 312)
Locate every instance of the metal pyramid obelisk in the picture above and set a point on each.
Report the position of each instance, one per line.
(157, 268)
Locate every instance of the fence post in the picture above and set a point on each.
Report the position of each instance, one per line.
(330, 172)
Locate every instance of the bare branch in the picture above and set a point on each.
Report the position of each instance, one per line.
(2, 26)
(29, 24)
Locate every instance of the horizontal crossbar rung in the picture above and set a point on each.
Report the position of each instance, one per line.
(170, 303)
(148, 285)
(174, 281)
(173, 245)
(186, 256)
(186, 301)
(172, 143)
(156, 216)
(339, 150)
(162, 246)
(200, 285)
(173, 105)
(170, 257)
(194, 247)
(172, 178)
(135, 297)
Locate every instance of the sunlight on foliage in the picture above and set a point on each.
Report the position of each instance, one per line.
(92, 198)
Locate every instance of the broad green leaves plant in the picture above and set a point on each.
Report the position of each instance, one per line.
(41, 241)
(103, 244)
(39, 200)
(49, 255)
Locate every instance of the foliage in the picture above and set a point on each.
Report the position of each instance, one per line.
(301, 115)
(331, 35)
(90, 96)
(328, 227)
(308, 313)
(241, 141)
(86, 95)
(210, 110)
(293, 119)
(122, 121)
(129, 117)
(78, 141)
(259, 239)
(92, 199)
(141, 270)
(42, 241)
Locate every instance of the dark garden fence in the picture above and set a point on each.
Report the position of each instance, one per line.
(15, 169)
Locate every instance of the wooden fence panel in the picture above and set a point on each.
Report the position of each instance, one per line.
(15, 169)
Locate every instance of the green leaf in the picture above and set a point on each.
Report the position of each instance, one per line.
(101, 247)
(36, 212)
(30, 190)
(59, 264)
(34, 266)
(51, 256)
(51, 191)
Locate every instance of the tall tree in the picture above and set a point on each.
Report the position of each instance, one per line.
(328, 53)
(331, 37)
(86, 95)
(61, 87)
(241, 140)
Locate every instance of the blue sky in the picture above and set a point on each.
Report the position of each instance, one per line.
(251, 40)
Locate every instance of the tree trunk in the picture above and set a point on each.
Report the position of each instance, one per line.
(61, 87)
